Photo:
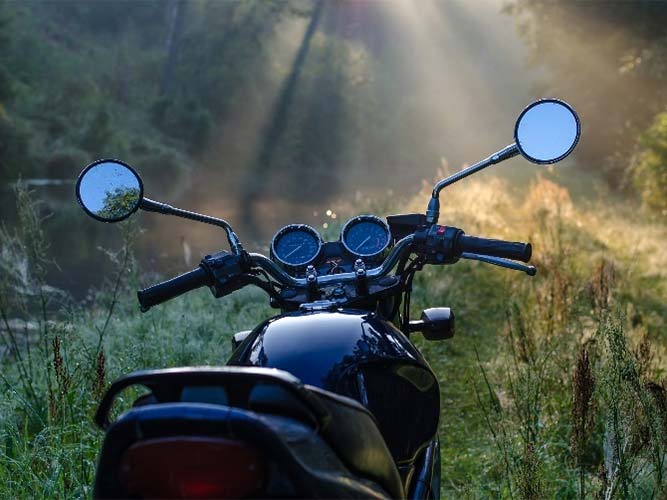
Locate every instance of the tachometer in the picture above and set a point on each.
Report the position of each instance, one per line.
(296, 245)
(365, 236)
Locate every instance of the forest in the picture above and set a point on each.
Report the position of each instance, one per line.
(266, 112)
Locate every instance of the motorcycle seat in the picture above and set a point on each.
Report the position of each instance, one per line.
(197, 400)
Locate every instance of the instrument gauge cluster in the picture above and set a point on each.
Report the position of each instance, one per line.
(365, 236)
(296, 246)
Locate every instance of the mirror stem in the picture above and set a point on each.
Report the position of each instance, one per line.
(162, 208)
(433, 210)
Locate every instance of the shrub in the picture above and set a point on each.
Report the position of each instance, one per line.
(650, 165)
(64, 164)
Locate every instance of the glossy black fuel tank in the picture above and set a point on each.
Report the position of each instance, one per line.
(359, 355)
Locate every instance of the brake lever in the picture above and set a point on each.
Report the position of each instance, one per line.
(497, 261)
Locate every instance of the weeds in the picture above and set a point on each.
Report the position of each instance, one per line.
(584, 412)
(24, 292)
(568, 398)
(54, 367)
(583, 415)
(99, 382)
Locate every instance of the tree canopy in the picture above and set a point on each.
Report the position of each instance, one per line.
(311, 89)
(610, 59)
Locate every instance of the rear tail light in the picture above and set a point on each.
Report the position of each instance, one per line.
(192, 467)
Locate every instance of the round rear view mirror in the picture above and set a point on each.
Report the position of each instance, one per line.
(547, 131)
(109, 190)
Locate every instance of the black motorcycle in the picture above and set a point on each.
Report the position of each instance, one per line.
(328, 399)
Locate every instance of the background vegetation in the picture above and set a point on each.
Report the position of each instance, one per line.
(553, 386)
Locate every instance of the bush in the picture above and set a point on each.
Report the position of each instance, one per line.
(14, 154)
(65, 164)
(650, 166)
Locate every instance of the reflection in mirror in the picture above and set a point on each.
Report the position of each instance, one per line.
(109, 190)
(547, 131)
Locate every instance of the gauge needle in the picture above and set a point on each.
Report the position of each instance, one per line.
(362, 243)
(293, 251)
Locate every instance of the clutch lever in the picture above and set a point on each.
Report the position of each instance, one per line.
(497, 261)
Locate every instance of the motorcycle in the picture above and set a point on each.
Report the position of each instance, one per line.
(328, 399)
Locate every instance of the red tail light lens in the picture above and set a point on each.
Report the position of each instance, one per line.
(192, 467)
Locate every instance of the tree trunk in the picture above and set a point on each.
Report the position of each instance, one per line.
(176, 20)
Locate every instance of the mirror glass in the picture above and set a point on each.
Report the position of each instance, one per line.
(547, 131)
(109, 190)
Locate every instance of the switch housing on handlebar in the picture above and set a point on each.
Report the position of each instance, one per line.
(227, 271)
(437, 244)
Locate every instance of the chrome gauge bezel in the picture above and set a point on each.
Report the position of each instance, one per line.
(367, 218)
(296, 227)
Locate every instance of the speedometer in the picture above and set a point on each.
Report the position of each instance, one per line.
(365, 236)
(296, 245)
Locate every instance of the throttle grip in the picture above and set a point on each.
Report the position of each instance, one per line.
(174, 287)
(494, 248)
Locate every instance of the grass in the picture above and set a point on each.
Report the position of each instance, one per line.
(521, 423)
(552, 387)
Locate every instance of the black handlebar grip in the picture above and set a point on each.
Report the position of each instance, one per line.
(174, 287)
(494, 248)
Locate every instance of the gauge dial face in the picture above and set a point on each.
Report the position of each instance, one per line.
(365, 236)
(296, 245)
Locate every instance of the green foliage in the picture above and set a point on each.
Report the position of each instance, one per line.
(14, 149)
(118, 204)
(553, 393)
(13, 133)
(271, 87)
(57, 358)
(547, 391)
(61, 164)
(111, 19)
(189, 121)
(6, 84)
(565, 401)
(625, 49)
(99, 132)
(63, 95)
(650, 165)
(218, 67)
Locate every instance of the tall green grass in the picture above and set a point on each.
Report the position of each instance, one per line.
(553, 386)
(559, 389)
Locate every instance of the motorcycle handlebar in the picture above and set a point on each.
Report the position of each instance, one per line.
(494, 248)
(462, 243)
(174, 287)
